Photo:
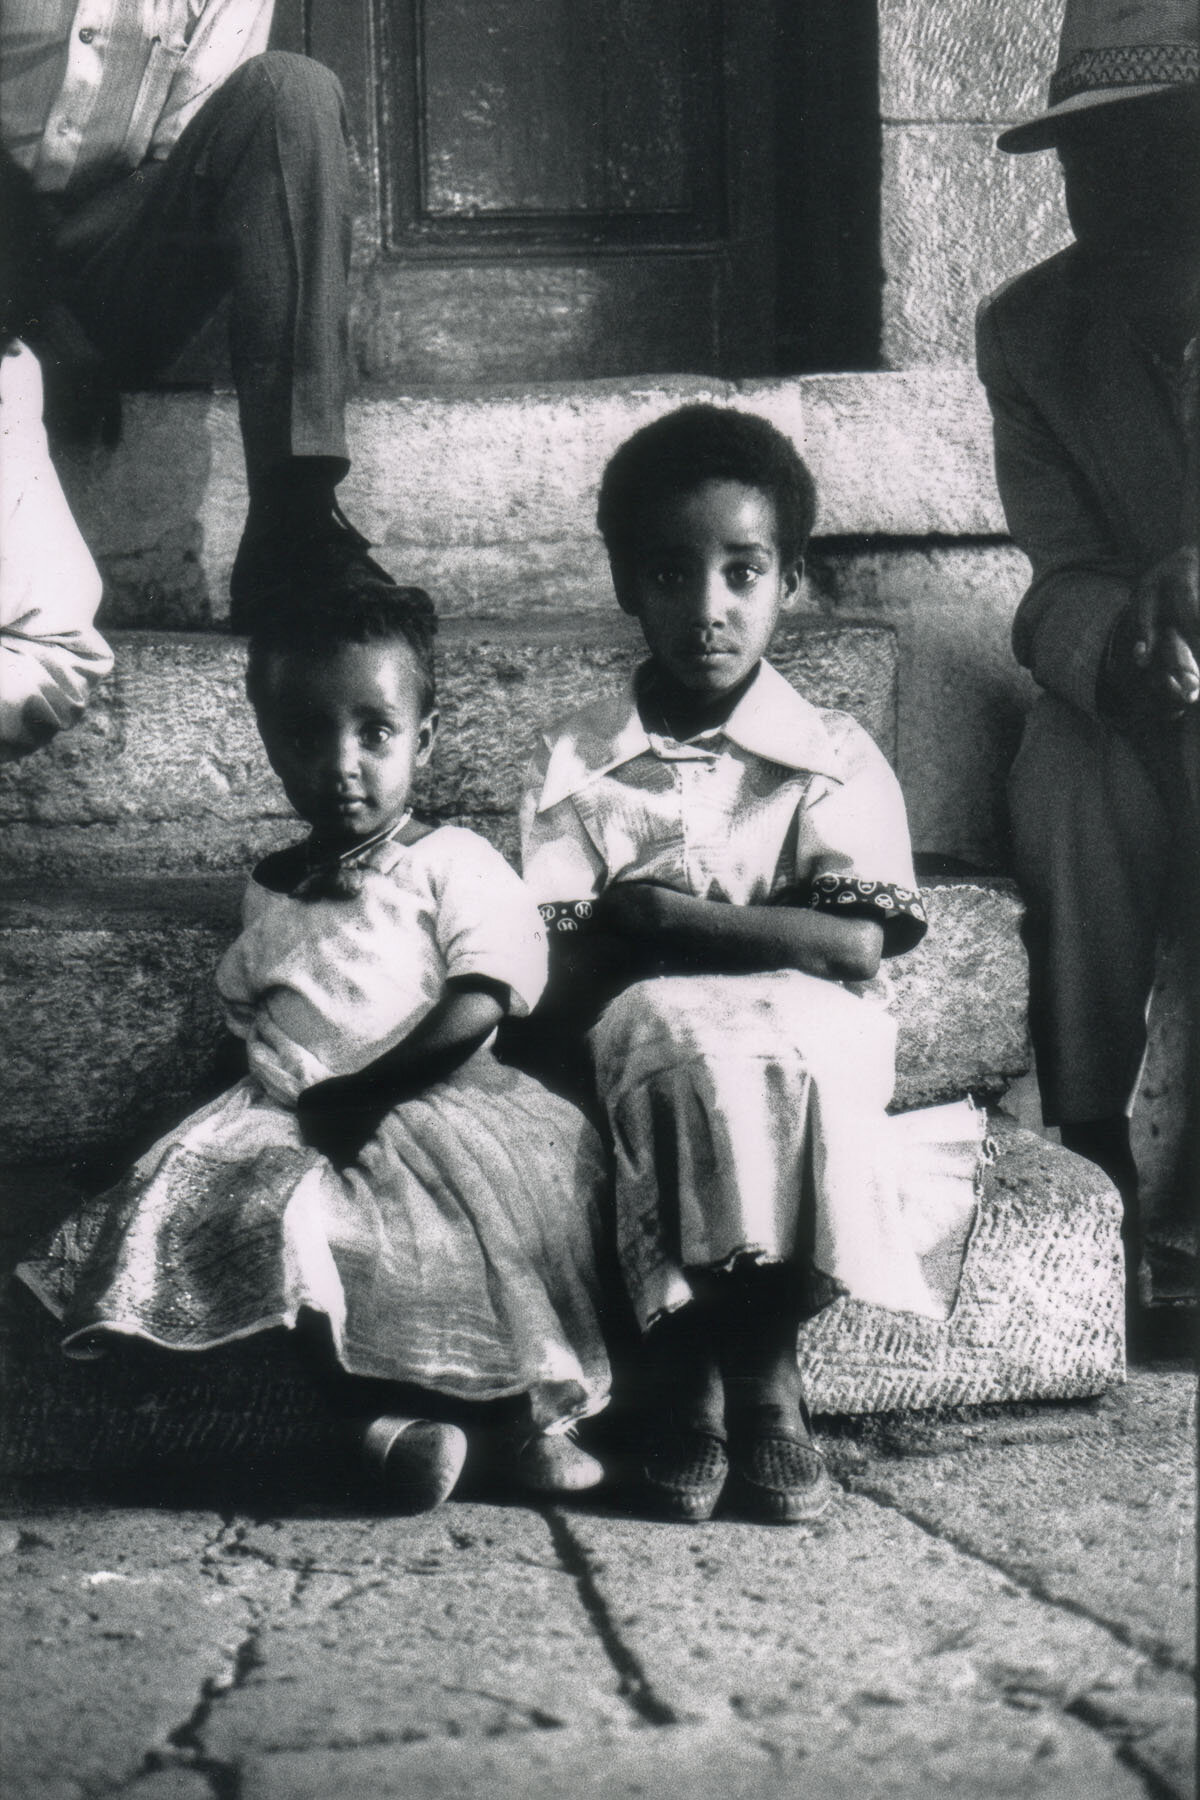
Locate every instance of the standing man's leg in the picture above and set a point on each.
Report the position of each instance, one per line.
(254, 201)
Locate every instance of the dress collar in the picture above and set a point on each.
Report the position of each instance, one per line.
(771, 721)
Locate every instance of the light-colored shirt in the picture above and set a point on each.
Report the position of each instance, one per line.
(90, 90)
(50, 654)
(322, 986)
(783, 796)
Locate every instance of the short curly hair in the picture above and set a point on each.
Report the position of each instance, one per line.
(679, 452)
(314, 624)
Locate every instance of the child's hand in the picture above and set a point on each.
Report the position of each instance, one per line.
(338, 1116)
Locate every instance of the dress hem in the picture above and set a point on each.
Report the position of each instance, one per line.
(76, 1346)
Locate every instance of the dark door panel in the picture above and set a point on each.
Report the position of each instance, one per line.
(534, 320)
(565, 189)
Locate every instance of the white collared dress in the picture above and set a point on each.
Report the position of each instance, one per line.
(458, 1253)
(748, 1113)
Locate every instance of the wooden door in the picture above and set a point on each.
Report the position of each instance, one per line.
(566, 189)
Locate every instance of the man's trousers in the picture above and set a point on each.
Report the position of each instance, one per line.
(1107, 842)
(252, 201)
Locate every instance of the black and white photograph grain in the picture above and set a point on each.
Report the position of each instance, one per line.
(599, 899)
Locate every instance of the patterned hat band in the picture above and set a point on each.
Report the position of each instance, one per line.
(1118, 66)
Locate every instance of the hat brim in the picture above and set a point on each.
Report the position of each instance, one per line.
(1042, 133)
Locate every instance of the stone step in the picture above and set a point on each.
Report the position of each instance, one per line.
(1040, 1309)
(111, 1025)
(488, 496)
(165, 773)
(1039, 1316)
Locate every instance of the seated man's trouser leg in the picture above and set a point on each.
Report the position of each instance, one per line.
(1094, 855)
(253, 200)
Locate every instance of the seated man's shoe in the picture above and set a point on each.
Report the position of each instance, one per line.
(684, 1472)
(316, 547)
(777, 1474)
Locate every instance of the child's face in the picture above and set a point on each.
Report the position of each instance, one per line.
(707, 584)
(346, 735)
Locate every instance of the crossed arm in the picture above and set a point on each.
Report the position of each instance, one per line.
(685, 935)
(641, 929)
(339, 1115)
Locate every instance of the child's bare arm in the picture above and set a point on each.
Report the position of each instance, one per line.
(339, 1115)
(687, 936)
(587, 970)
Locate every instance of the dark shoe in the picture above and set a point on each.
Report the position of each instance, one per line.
(416, 1462)
(684, 1473)
(319, 550)
(778, 1476)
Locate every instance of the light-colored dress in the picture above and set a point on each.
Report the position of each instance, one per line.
(458, 1251)
(748, 1112)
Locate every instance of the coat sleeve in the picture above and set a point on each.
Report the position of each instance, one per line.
(50, 655)
(1081, 585)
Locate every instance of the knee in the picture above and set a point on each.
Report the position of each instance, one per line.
(289, 82)
(645, 1006)
(618, 1016)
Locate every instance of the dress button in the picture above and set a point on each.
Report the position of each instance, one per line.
(87, 34)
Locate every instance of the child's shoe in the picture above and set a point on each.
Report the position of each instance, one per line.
(416, 1461)
(778, 1476)
(552, 1462)
(684, 1472)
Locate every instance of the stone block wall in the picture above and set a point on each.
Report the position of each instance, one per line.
(958, 216)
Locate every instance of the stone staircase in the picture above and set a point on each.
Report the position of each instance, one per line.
(125, 842)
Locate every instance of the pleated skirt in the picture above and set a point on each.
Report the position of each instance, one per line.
(458, 1253)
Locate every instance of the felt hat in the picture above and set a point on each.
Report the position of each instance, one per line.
(1114, 50)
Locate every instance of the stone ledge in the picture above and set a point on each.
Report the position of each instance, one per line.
(165, 773)
(962, 996)
(112, 1024)
(510, 476)
(1040, 1313)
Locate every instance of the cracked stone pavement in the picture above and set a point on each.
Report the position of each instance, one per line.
(994, 1607)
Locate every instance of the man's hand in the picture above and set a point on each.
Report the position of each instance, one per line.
(337, 1117)
(1166, 628)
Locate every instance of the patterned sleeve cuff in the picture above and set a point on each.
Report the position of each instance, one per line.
(565, 915)
(898, 909)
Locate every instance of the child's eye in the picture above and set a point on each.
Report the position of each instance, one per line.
(374, 737)
(742, 575)
(667, 577)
